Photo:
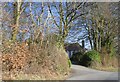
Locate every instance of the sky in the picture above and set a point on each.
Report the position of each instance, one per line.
(71, 40)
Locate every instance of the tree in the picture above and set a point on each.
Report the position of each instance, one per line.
(18, 9)
(67, 14)
(100, 23)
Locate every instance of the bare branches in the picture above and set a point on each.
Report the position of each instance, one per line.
(52, 15)
(73, 10)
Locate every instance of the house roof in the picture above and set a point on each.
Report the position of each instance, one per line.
(73, 47)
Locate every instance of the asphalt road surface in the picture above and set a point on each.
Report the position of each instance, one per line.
(83, 73)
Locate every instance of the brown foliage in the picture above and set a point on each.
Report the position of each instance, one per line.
(107, 60)
(46, 62)
(15, 61)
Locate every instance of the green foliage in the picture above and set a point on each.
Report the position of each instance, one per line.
(113, 52)
(69, 62)
(90, 57)
(94, 55)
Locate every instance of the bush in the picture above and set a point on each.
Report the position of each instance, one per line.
(46, 61)
(113, 52)
(90, 58)
(15, 61)
(76, 57)
(109, 58)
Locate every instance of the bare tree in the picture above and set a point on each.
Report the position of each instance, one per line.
(100, 23)
(67, 14)
(18, 9)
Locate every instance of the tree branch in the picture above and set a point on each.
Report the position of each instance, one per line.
(53, 16)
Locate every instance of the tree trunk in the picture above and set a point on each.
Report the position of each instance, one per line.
(16, 18)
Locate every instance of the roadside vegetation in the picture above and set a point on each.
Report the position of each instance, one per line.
(93, 59)
(37, 62)
(34, 35)
(101, 31)
(41, 56)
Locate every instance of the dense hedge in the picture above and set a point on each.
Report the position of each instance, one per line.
(76, 57)
(86, 59)
(90, 57)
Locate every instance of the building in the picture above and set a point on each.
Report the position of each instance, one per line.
(72, 48)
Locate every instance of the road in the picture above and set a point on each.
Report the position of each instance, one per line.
(83, 73)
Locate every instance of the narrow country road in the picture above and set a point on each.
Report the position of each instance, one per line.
(83, 73)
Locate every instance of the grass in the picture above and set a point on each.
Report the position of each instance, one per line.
(23, 76)
(35, 77)
(109, 69)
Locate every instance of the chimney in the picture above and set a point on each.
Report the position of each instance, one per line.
(83, 44)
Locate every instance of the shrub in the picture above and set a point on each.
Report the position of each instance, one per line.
(109, 58)
(15, 62)
(76, 57)
(113, 52)
(90, 58)
(49, 57)
(45, 59)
